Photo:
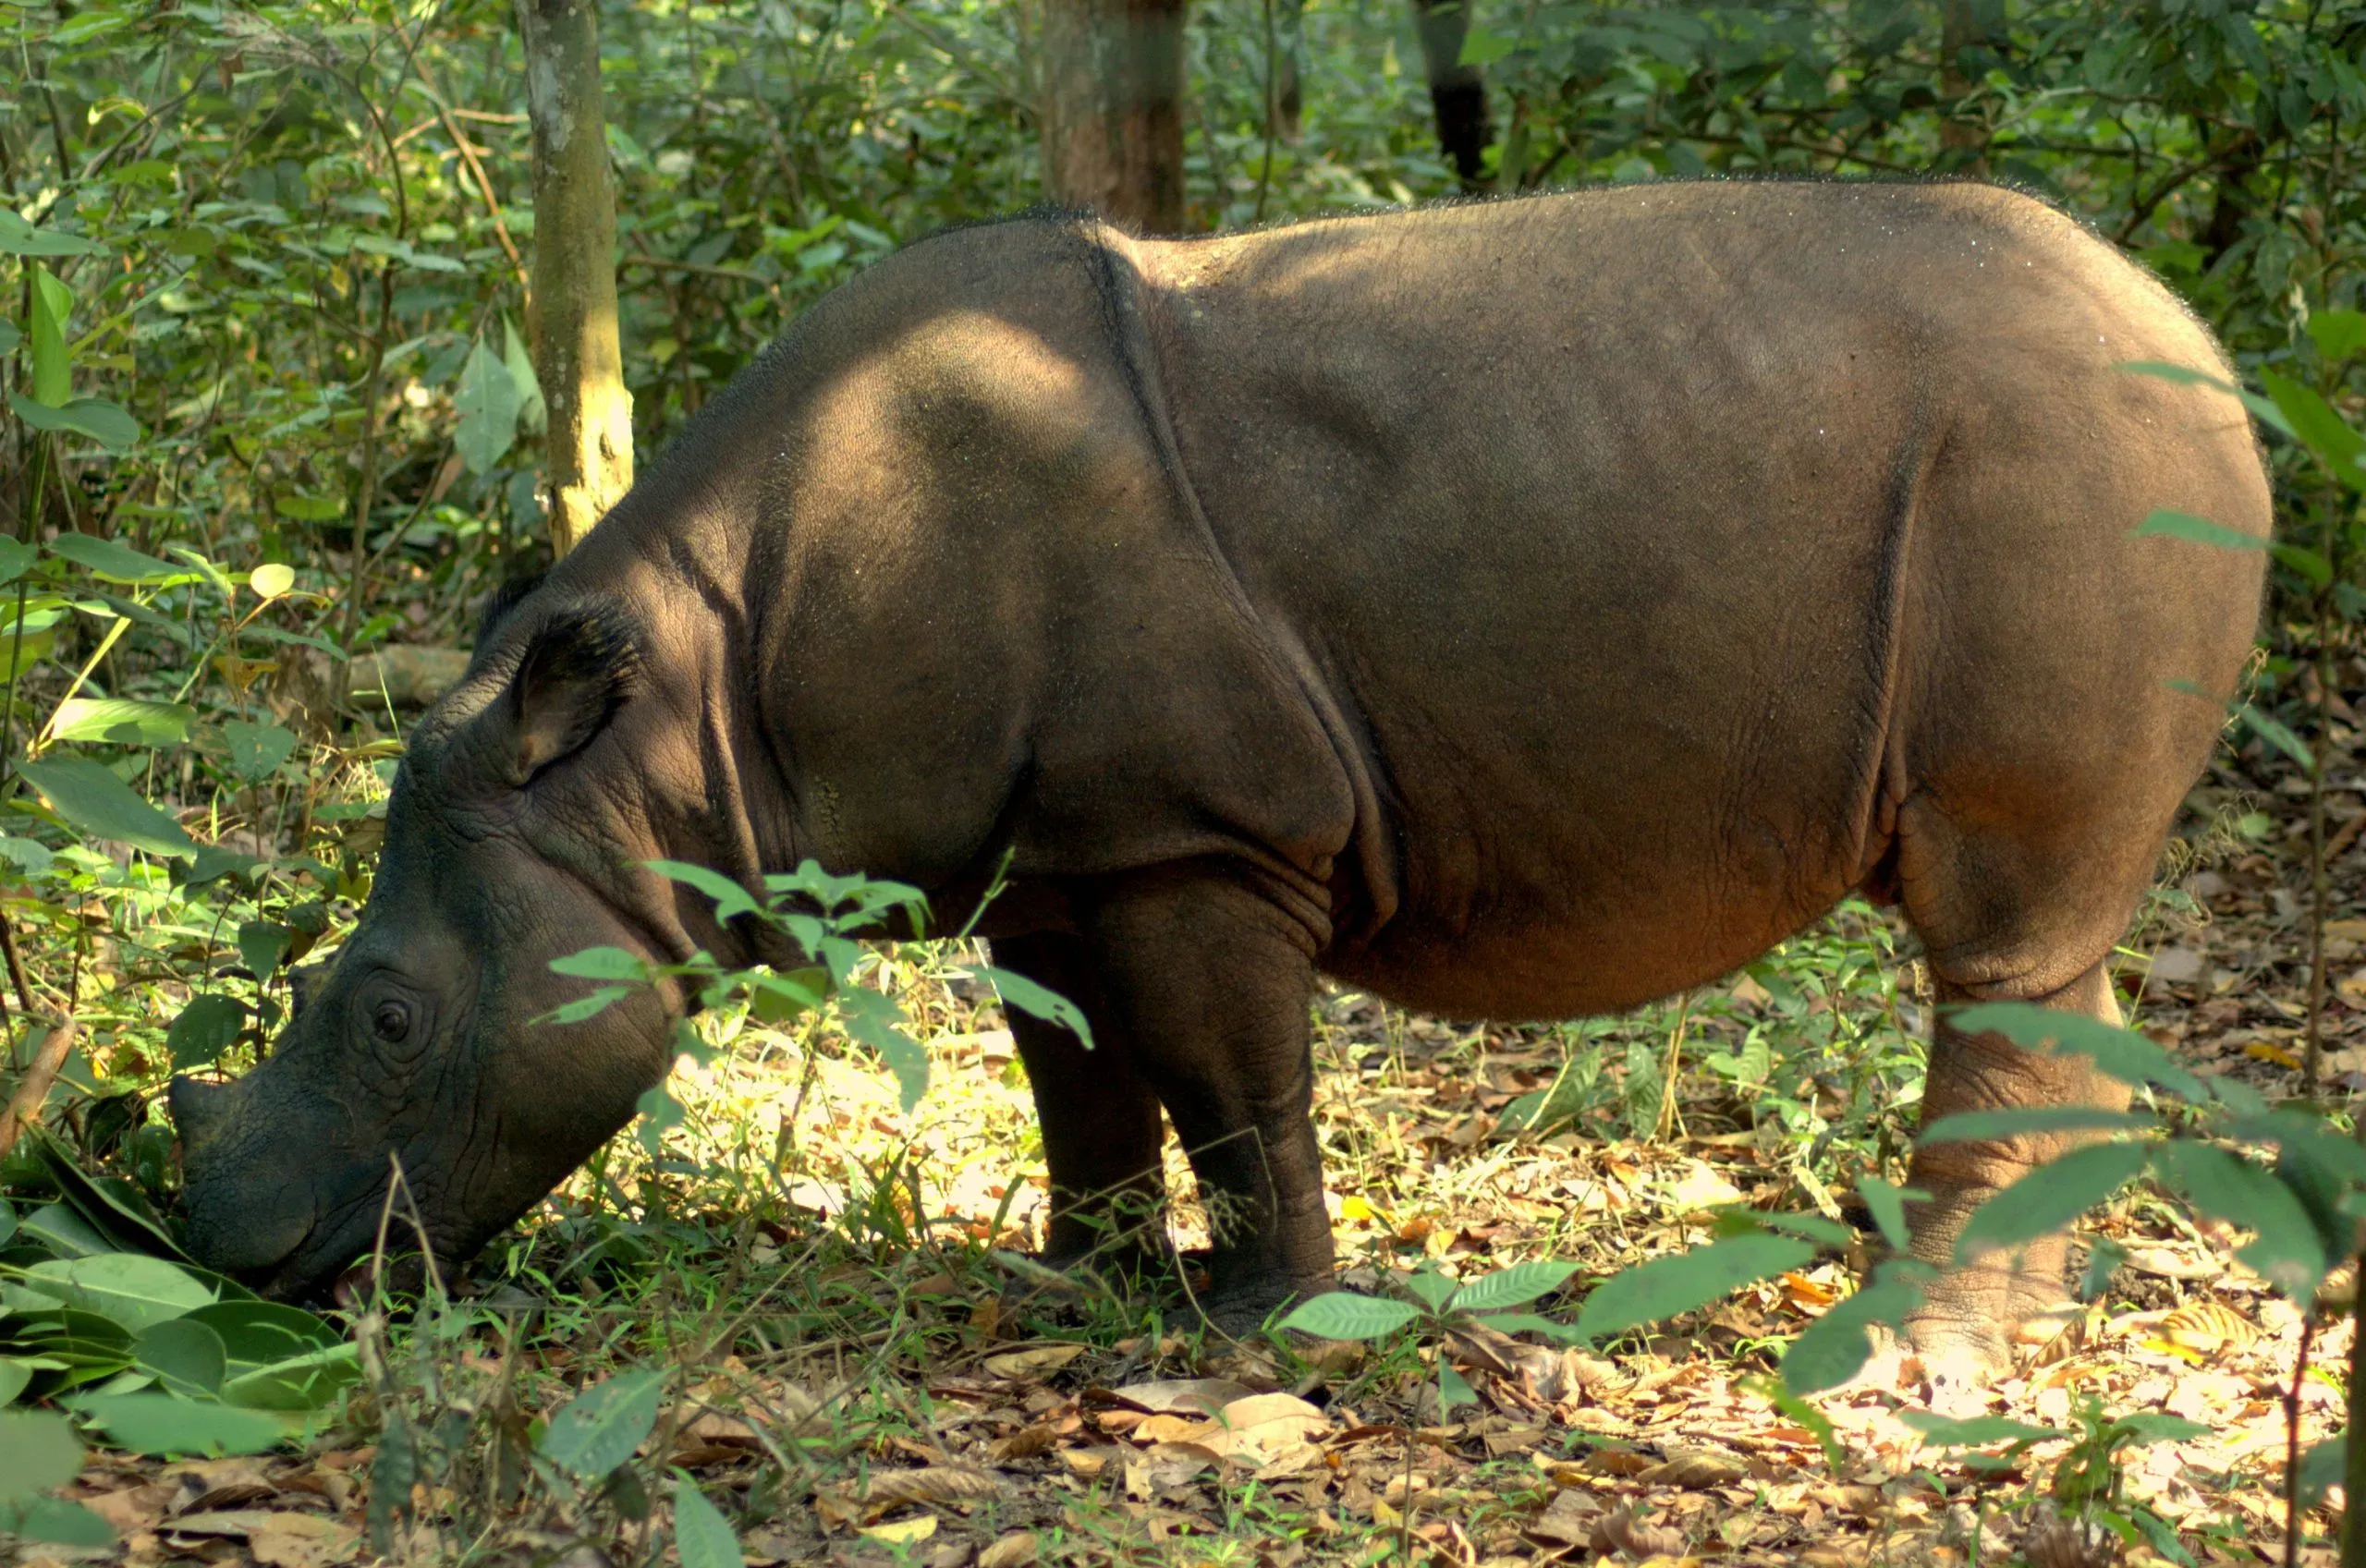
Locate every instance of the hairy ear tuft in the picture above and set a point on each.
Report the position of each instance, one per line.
(577, 669)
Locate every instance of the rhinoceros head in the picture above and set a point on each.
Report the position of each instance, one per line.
(421, 1043)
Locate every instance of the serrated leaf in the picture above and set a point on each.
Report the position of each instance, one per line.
(1667, 1286)
(1017, 991)
(1344, 1315)
(877, 1022)
(599, 1428)
(255, 751)
(97, 804)
(125, 1288)
(164, 1424)
(701, 1535)
(2051, 1197)
(1514, 1286)
(261, 944)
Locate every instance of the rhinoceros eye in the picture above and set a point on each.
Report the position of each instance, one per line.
(390, 1021)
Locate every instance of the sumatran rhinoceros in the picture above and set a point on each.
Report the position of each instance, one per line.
(1515, 611)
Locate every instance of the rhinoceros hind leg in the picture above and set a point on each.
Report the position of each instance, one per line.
(1100, 1119)
(1967, 1318)
(1208, 978)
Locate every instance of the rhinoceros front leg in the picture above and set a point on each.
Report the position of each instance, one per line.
(1966, 1322)
(1209, 980)
(1100, 1119)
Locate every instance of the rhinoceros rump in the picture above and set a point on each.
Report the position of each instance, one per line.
(1516, 610)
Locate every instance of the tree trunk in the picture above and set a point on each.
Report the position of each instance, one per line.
(577, 354)
(1113, 109)
(1963, 135)
(1286, 105)
(1458, 92)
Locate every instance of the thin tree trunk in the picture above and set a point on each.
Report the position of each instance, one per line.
(577, 353)
(1963, 135)
(1113, 109)
(1286, 109)
(1458, 92)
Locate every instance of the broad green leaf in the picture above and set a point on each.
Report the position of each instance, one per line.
(15, 558)
(120, 721)
(776, 998)
(59, 1228)
(2278, 734)
(601, 964)
(1976, 1431)
(100, 421)
(271, 580)
(2287, 1250)
(2050, 1196)
(2338, 334)
(264, 1333)
(261, 944)
(37, 1452)
(164, 1424)
(486, 400)
(29, 855)
(2323, 1466)
(533, 413)
(123, 1287)
(1431, 1288)
(2263, 410)
(599, 1428)
(878, 1022)
(186, 1357)
(205, 1029)
(9, 336)
(55, 1519)
(1526, 1323)
(52, 379)
(114, 561)
(1667, 1286)
(2168, 523)
(1887, 1205)
(1514, 1286)
(1967, 1126)
(2323, 431)
(2308, 563)
(1483, 47)
(8, 1226)
(1454, 1389)
(1343, 1315)
(14, 1377)
(19, 237)
(1829, 1352)
(300, 1382)
(2120, 1054)
(2153, 1426)
(1017, 991)
(255, 751)
(730, 898)
(590, 1005)
(1807, 1227)
(701, 1535)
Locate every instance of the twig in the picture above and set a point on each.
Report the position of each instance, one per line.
(2292, 1445)
(24, 1105)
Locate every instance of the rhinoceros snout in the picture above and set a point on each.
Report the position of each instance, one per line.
(245, 1213)
(200, 1109)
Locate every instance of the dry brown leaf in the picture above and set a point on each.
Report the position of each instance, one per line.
(275, 1540)
(1623, 1532)
(2057, 1544)
(1615, 1461)
(902, 1532)
(2208, 1327)
(1695, 1469)
(1200, 1397)
(1084, 1460)
(936, 1484)
(1568, 1520)
(1033, 1362)
(134, 1508)
(1026, 1442)
(1171, 1428)
(1017, 1549)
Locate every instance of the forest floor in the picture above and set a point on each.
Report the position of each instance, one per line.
(867, 1373)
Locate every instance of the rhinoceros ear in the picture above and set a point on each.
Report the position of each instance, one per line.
(577, 669)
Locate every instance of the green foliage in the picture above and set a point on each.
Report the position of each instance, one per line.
(599, 1428)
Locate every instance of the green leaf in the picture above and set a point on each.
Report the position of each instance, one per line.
(1667, 1286)
(590, 1005)
(255, 751)
(264, 1333)
(2277, 734)
(114, 561)
(261, 944)
(9, 336)
(601, 964)
(100, 421)
(14, 1378)
(37, 1452)
(123, 1287)
(2168, 523)
(19, 237)
(2308, 563)
(1526, 1323)
(120, 721)
(2144, 1427)
(2288, 1249)
(164, 1424)
(65, 1233)
(486, 400)
(2050, 1196)
(1453, 1388)
(1344, 1315)
(204, 1031)
(1483, 47)
(2328, 438)
(1514, 1286)
(701, 1535)
(2263, 409)
(2322, 1465)
(1968, 1126)
(533, 413)
(1887, 1206)
(878, 1022)
(730, 899)
(300, 1382)
(53, 1519)
(1808, 1227)
(1830, 1350)
(1017, 991)
(53, 381)
(16, 559)
(1431, 1288)
(1976, 1431)
(600, 1427)
(186, 1358)
(2338, 334)
(2120, 1054)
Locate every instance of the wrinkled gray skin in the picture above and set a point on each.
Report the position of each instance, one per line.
(1518, 610)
